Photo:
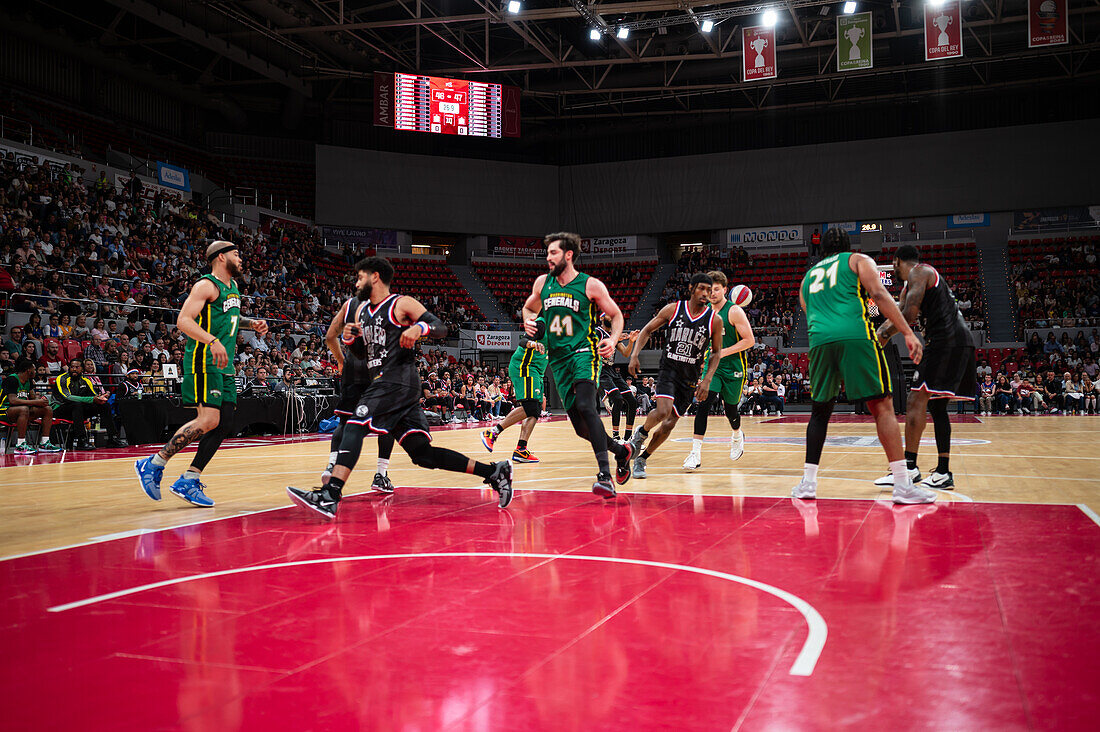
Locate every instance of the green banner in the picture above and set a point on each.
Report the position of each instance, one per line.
(853, 42)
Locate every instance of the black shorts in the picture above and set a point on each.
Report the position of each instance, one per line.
(681, 392)
(391, 409)
(611, 380)
(350, 394)
(948, 372)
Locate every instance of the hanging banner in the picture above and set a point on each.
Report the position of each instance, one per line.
(1047, 23)
(764, 235)
(173, 176)
(517, 246)
(606, 245)
(488, 340)
(758, 53)
(854, 49)
(383, 99)
(967, 221)
(943, 31)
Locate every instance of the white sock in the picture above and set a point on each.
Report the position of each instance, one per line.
(696, 446)
(901, 473)
(383, 466)
(159, 461)
(332, 457)
(809, 472)
(43, 441)
(192, 474)
(736, 435)
(20, 441)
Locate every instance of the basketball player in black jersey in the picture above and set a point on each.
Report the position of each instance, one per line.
(385, 335)
(619, 395)
(694, 328)
(948, 370)
(353, 380)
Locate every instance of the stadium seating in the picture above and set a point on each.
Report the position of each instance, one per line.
(423, 278)
(1053, 279)
(511, 281)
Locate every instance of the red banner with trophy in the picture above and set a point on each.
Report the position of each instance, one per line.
(1047, 23)
(942, 31)
(758, 53)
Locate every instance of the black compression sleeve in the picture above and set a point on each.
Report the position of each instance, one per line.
(436, 327)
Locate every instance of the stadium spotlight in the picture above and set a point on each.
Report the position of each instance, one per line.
(935, 3)
(708, 26)
(594, 34)
(623, 32)
(770, 17)
(514, 6)
(849, 7)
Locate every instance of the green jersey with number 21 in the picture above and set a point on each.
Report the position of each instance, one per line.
(836, 302)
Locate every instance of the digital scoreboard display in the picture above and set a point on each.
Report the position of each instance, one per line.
(446, 106)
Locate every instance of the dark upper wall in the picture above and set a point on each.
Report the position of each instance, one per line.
(923, 175)
(421, 192)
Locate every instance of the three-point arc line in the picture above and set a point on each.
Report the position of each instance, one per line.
(803, 665)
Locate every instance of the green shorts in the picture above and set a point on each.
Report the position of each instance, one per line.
(569, 368)
(526, 382)
(858, 364)
(729, 385)
(210, 389)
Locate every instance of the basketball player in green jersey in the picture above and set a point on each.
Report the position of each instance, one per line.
(729, 380)
(844, 349)
(210, 318)
(570, 302)
(527, 370)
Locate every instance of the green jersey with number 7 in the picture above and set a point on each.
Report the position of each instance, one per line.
(836, 302)
(220, 318)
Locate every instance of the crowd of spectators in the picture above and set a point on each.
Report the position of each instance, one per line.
(1047, 376)
(772, 312)
(1060, 288)
(109, 267)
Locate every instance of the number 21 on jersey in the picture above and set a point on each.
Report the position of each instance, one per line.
(818, 275)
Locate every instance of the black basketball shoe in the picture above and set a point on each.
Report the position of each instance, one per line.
(382, 484)
(322, 500)
(622, 467)
(603, 487)
(501, 481)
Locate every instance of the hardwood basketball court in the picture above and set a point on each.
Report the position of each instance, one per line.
(704, 600)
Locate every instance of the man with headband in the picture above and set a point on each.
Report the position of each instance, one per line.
(210, 318)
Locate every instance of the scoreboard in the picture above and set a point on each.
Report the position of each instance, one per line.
(446, 106)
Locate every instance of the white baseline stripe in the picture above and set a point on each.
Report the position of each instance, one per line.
(1089, 512)
(803, 664)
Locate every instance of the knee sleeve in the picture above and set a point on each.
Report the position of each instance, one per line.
(385, 447)
(585, 405)
(733, 414)
(212, 440)
(630, 407)
(426, 455)
(351, 445)
(941, 424)
(702, 412)
(337, 435)
(817, 429)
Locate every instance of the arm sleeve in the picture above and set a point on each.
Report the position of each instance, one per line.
(436, 327)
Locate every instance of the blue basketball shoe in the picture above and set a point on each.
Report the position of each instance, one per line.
(190, 490)
(149, 476)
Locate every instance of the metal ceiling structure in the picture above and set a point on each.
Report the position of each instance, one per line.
(325, 50)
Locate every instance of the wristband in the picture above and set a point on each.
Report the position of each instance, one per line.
(424, 327)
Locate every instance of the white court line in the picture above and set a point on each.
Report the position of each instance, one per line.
(803, 665)
(1090, 513)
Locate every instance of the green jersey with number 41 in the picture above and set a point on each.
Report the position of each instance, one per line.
(220, 318)
(570, 315)
(836, 302)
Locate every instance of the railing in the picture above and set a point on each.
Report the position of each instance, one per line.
(907, 236)
(1088, 226)
(16, 130)
(539, 255)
